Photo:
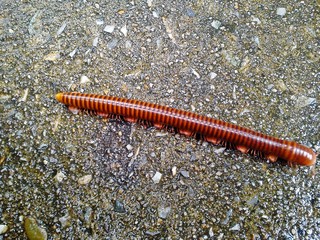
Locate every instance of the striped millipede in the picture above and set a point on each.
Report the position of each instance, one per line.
(191, 124)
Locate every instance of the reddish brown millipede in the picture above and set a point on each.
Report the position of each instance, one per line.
(192, 124)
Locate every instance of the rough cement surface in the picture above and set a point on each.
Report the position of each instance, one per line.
(65, 176)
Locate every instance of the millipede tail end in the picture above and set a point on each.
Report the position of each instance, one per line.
(59, 96)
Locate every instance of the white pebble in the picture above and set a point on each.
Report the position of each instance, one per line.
(161, 134)
(25, 95)
(52, 56)
(99, 22)
(95, 42)
(61, 29)
(256, 40)
(211, 232)
(245, 110)
(155, 14)
(212, 75)
(73, 53)
(149, 2)
(3, 228)
(163, 212)
(84, 79)
(124, 30)
(112, 44)
(303, 101)
(59, 177)
(128, 44)
(157, 177)
(109, 28)
(235, 228)
(174, 170)
(220, 150)
(65, 221)
(281, 11)
(216, 24)
(255, 19)
(85, 179)
(196, 73)
(129, 147)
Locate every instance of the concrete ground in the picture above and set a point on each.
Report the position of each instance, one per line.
(67, 176)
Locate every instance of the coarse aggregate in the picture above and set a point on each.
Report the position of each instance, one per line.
(76, 176)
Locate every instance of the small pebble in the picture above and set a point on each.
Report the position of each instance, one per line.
(112, 44)
(196, 73)
(109, 28)
(149, 2)
(52, 56)
(119, 207)
(155, 14)
(25, 95)
(128, 44)
(190, 12)
(228, 215)
(255, 19)
(124, 30)
(161, 134)
(244, 111)
(216, 24)
(281, 11)
(84, 79)
(184, 173)
(59, 177)
(129, 147)
(152, 233)
(85, 179)
(65, 221)
(88, 215)
(211, 232)
(95, 42)
(99, 22)
(253, 201)
(33, 230)
(303, 101)
(212, 75)
(61, 29)
(235, 228)
(3, 228)
(73, 53)
(256, 40)
(220, 150)
(121, 11)
(157, 177)
(174, 170)
(163, 212)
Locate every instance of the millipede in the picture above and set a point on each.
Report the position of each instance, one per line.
(192, 125)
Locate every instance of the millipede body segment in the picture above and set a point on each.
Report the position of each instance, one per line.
(192, 124)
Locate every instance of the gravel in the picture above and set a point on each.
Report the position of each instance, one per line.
(79, 176)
